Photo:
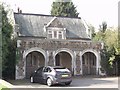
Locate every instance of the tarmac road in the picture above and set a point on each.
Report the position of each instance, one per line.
(78, 82)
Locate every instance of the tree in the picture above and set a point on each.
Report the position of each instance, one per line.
(8, 45)
(112, 41)
(102, 30)
(110, 51)
(103, 27)
(64, 9)
(0, 41)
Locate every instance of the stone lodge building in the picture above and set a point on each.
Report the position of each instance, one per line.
(57, 41)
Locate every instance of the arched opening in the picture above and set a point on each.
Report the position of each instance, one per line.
(34, 60)
(63, 59)
(89, 63)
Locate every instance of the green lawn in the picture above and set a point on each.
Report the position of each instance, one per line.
(2, 87)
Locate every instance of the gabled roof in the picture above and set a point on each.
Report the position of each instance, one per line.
(55, 23)
(33, 25)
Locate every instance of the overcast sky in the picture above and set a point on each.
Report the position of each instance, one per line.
(92, 11)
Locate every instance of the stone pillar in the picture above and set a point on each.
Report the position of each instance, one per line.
(81, 66)
(20, 67)
(75, 68)
(20, 70)
(73, 64)
(78, 64)
(97, 64)
(51, 59)
(47, 57)
(54, 58)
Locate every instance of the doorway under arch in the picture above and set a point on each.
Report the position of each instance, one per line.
(63, 59)
(34, 60)
(89, 63)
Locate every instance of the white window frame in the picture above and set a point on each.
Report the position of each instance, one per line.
(62, 30)
(50, 32)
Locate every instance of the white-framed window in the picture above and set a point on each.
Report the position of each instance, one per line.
(55, 36)
(60, 35)
(56, 33)
(50, 34)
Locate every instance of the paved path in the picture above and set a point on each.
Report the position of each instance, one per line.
(79, 82)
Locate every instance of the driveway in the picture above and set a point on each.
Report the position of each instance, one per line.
(80, 82)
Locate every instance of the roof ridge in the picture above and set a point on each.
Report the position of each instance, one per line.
(46, 15)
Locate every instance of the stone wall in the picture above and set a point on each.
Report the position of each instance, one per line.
(51, 47)
(55, 44)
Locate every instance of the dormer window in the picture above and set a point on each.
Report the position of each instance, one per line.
(56, 33)
(55, 29)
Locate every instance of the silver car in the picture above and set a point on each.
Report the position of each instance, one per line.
(52, 75)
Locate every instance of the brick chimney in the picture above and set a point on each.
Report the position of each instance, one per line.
(19, 11)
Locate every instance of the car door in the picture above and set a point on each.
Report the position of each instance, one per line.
(38, 75)
(46, 72)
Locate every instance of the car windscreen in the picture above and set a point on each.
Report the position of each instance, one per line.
(61, 70)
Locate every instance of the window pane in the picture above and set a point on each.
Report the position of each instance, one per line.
(50, 35)
(60, 32)
(55, 34)
(49, 32)
(60, 36)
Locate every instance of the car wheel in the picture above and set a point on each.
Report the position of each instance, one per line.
(49, 82)
(67, 83)
(31, 80)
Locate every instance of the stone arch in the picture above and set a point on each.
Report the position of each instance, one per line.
(95, 53)
(34, 49)
(70, 52)
(41, 52)
(90, 50)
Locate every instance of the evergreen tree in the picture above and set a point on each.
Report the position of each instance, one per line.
(0, 41)
(63, 8)
(8, 46)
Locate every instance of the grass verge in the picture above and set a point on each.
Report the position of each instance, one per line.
(2, 87)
